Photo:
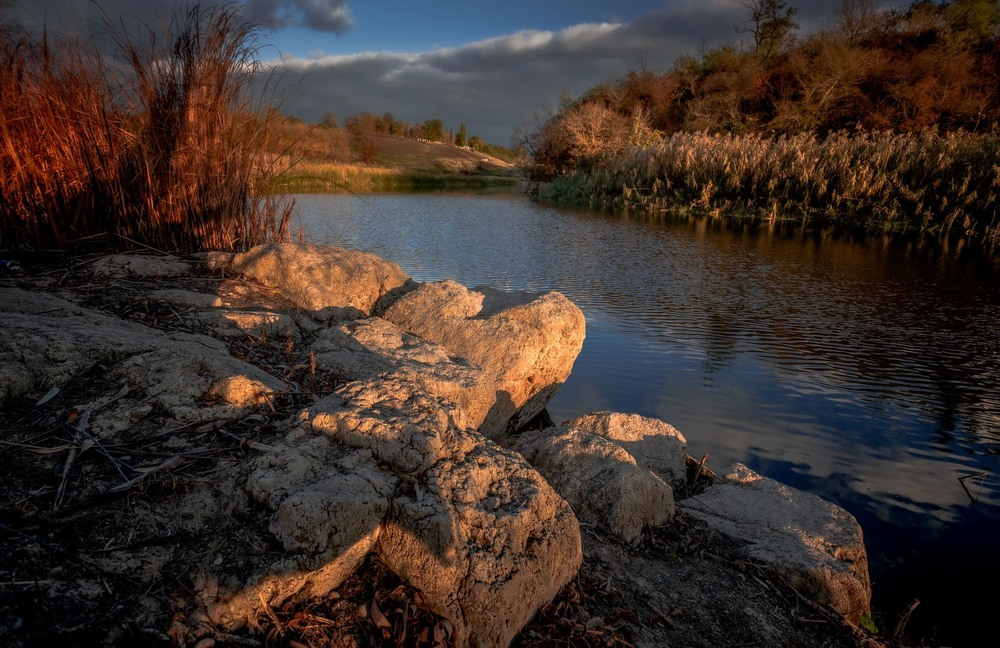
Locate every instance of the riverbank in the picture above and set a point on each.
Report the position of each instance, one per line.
(118, 472)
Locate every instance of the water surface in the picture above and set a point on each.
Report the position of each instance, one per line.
(865, 371)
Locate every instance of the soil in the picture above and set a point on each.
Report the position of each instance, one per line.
(85, 562)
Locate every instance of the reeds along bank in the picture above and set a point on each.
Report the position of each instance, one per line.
(162, 144)
(938, 183)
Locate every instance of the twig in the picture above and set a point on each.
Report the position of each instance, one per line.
(271, 614)
(701, 467)
(961, 480)
(904, 619)
(167, 465)
(148, 247)
(80, 427)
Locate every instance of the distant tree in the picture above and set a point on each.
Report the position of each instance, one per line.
(476, 143)
(770, 23)
(463, 135)
(856, 19)
(433, 130)
(329, 120)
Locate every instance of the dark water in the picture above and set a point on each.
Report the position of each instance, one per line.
(867, 372)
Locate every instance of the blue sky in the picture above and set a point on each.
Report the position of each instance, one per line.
(493, 65)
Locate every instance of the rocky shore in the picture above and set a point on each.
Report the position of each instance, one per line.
(300, 445)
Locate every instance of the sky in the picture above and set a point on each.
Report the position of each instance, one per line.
(494, 66)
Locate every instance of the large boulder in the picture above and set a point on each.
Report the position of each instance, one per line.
(813, 545)
(486, 540)
(319, 277)
(525, 343)
(475, 528)
(600, 479)
(326, 504)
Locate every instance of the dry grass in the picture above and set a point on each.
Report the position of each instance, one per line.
(930, 182)
(165, 149)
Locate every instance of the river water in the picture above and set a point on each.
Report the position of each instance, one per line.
(865, 371)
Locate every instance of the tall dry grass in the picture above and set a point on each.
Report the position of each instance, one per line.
(930, 182)
(162, 146)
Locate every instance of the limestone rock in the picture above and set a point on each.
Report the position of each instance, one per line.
(327, 503)
(486, 540)
(815, 546)
(655, 445)
(526, 344)
(369, 348)
(48, 340)
(600, 479)
(403, 426)
(140, 265)
(211, 311)
(317, 277)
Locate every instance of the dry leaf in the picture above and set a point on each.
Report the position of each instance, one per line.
(48, 396)
(378, 617)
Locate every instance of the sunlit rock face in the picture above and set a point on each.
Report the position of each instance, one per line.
(600, 479)
(525, 344)
(814, 545)
(319, 277)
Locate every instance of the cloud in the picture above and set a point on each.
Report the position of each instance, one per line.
(496, 84)
(320, 15)
(87, 18)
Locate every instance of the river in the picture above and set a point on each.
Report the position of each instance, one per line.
(865, 371)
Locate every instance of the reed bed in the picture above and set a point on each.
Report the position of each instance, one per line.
(929, 182)
(162, 146)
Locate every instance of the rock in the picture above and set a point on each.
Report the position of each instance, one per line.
(327, 503)
(602, 481)
(405, 428)
(369, 348)
(486, 540)
(525, 344)
(655, 445)
(813, 545)
(48, 340)
(318, 277)
(210, 310)
(476, 529)
(139, 265)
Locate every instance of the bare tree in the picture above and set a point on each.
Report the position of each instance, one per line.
(856, 19)
(770, 23)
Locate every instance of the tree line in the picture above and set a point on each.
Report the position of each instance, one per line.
(930, 65)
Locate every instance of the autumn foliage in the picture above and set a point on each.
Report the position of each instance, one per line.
(931, 66)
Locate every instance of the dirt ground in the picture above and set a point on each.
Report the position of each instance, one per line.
(89, 558)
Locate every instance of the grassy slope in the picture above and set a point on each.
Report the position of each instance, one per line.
(322, 161)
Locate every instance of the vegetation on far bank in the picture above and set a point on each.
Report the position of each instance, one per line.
(885, 119)
(364, 156)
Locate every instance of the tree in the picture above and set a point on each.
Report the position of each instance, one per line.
(770, 24)
(856, 19)
(433, 130)
(329, 120)
(463, 135)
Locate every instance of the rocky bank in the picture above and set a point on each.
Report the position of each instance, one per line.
(235, 449)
